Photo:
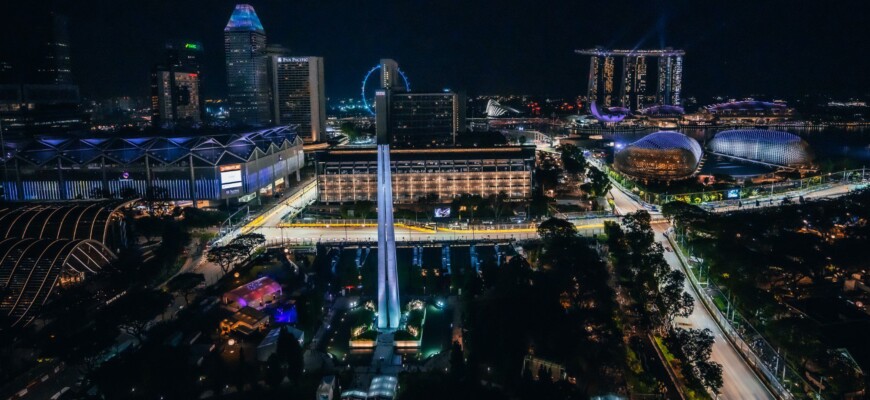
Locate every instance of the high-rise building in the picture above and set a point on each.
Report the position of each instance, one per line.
(670, 80)
(185, 55)
(247, 81)
(634, 88)
(176, 92)
(55, 65)
(37, 93)
(390, 77)
(299, 95)
(175, 97)
(417, 118)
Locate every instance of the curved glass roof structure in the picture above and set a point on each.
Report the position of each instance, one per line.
(30, 270)
(98, 221)
(50, 244)
(661, 155)
(762, 146)
(667, 140)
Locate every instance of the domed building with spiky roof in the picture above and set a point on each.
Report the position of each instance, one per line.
(762, 146)
(662, 155)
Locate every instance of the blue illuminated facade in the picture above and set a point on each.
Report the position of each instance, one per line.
(247, 78)
(198, 167)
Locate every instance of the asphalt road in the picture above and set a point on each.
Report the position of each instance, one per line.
(739, 381)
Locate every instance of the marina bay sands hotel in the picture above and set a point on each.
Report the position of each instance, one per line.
(636, 89)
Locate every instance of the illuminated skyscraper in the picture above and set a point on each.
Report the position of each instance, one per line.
(634, 82)
(670, 80)
(388, 279)
(247, 82)
(299, 95)
(176, 86)
(175, 97)
(55, 67)
(390, 77)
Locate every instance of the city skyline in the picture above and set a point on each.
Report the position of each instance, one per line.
(737, 46)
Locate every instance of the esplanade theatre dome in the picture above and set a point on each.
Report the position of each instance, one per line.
(761, 145)
(661, 155)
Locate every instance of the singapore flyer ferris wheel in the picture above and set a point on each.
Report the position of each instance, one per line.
(370, 84)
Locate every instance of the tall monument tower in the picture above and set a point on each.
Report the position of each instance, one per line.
(389, 311)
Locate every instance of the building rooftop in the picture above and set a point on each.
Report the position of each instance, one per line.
(455, 153)
(244, 18)
(213, 149)
(664, 140)
(255, 289)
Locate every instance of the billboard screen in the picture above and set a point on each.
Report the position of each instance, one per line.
(231, 176)
(442, 212)
(231, 180)
(733, 194)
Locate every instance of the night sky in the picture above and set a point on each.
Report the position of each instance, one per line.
(774, 48)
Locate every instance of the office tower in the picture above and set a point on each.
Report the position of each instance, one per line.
(299, 95)
(390, 77)
(38, 96)
(55, 66)
(247, 83)
(185, 55)
(670, 80)
(417, 118)
(633, 89)
(175, 97)
(634, 83)
(388, 280)
(641, 98)
(176, 86)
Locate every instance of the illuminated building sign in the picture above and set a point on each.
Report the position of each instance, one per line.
(231, 179)
(292, 59)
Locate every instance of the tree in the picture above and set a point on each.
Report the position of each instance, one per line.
(135, 311)
(683, 213)
(599, 183)
(350, 130)
(362, 208)
(499, 203)
(274, 371)
(556, 228)
(186, 284)
(695, 344)
(572, 159)
(99, 192)
(290, 353)
(457, 361)
(225, 256)
(156, 197)
(249, 240)
(639, 234)
(241, 371)
(673, 300)
(199, 218)
(128, 193)
(710, 374)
